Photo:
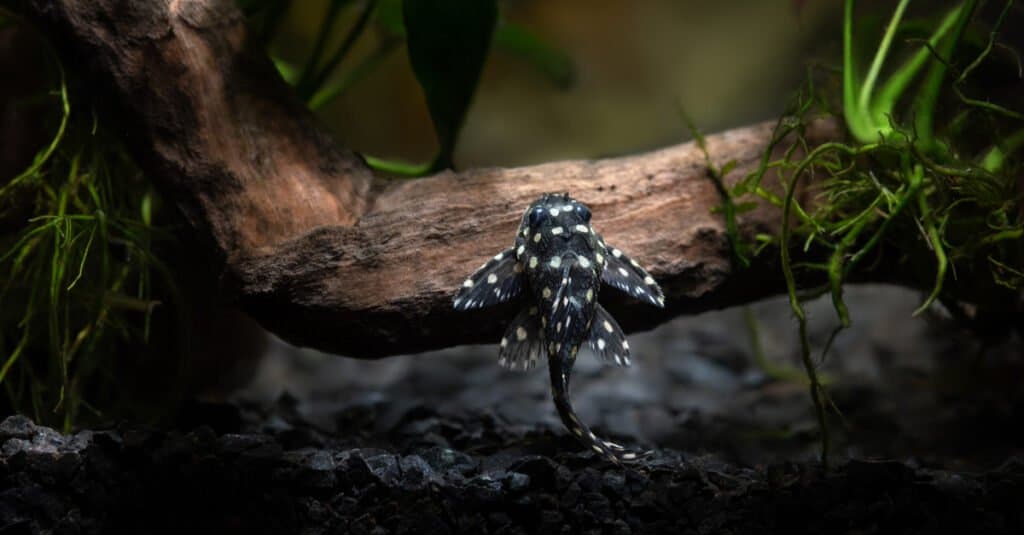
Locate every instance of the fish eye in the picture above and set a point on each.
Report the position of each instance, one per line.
(536, 215)
(583, 212)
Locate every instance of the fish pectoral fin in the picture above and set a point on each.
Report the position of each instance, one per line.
(607, 339)
(497, 281)
(626, 275)
(522, 345)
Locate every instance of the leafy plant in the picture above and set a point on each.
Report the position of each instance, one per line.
(448, 43)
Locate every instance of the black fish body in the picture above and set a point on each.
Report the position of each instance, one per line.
(558, 263)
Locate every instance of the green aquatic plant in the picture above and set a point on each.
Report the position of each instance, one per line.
(77, 273)
(919, 191)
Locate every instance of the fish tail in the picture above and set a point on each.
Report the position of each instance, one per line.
(560, 394)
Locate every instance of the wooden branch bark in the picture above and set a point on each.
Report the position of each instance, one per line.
(325, 255)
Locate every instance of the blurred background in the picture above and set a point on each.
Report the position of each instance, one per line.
(632, 65)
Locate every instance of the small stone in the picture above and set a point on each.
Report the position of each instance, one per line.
(516, 482)
(17, 426)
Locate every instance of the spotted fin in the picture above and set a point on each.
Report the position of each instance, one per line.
(522, 346)
(626, 275)
(607, 340)
(497, 281)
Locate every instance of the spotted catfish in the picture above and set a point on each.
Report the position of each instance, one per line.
(558, 263)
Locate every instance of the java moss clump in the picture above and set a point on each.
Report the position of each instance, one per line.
(926, 190)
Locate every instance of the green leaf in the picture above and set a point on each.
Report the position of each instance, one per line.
(398, 168)
(554, 63)
(448, 42)
(286, 69)
(727, 168)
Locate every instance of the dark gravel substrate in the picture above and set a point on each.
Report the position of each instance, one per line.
(469, 474)
(449, 442)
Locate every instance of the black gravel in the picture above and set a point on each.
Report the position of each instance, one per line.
(928, 440)
(458, 474)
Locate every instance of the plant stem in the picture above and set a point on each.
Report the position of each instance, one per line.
(890, 93)
(928, 96)
(883, 50)
(343, 50)
(321, 40)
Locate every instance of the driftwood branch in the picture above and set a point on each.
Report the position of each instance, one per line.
(324, 254)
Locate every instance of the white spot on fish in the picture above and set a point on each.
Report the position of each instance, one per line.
(553, 212)
(584, 263)
(492, 278)
(533, 262)
(499, 256)
(546, 293)
(533, 311)
(556, 261)
(536, 237)
(597, 448)
(623, 272)
(599, 258)
(616, 253)
(555, 231)
(607, 326)
(625, 344)
(520, 334)
(519, 251)
(590, 294)
(468, 283)
(504, 342)
(648, 280)
(600, 344)
(582, 228)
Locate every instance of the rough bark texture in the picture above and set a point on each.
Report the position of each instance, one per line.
(322, 254)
